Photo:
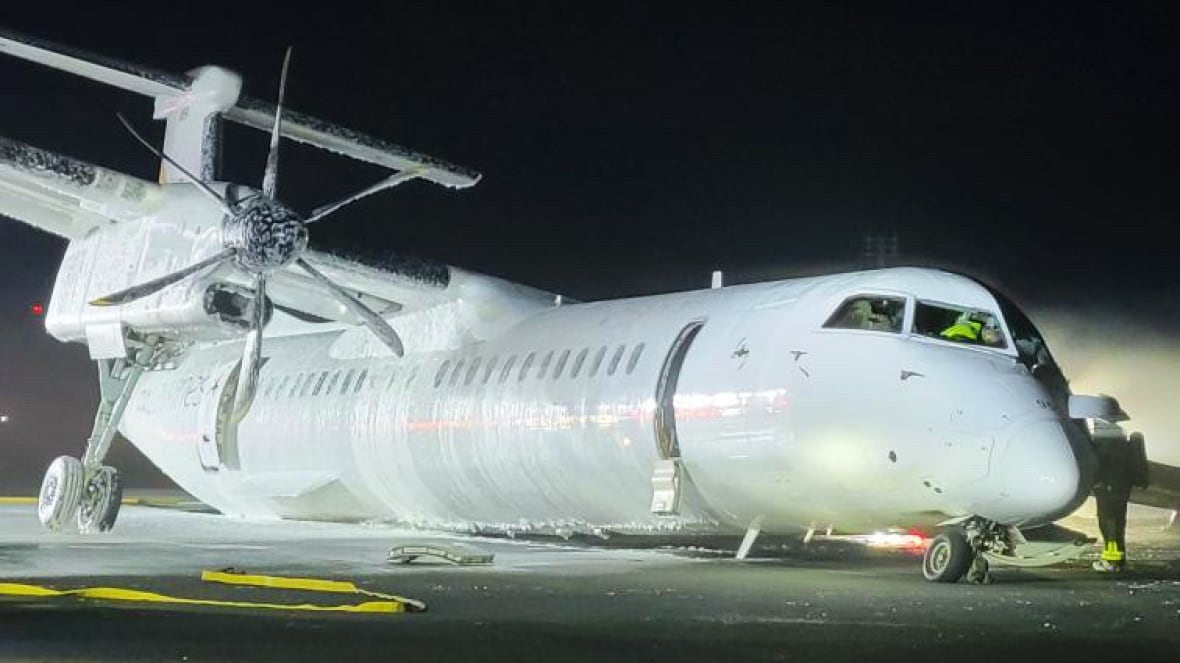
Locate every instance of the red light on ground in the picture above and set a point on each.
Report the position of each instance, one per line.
(37, 309)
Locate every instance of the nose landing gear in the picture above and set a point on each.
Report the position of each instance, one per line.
(959, 552)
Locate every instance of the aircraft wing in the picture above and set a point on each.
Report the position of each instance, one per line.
(1163, 490)
(66, 196)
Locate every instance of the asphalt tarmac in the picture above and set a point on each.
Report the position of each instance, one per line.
(565, 601)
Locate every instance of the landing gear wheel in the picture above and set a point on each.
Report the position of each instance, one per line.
(61, 490)
(947, 558)
(101, 499)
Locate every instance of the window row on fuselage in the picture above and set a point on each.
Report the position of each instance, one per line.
(465, 370)
(303, 385)
(475, 370)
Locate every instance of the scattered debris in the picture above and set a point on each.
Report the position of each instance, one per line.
(455, 554)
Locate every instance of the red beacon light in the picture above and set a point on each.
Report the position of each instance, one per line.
(37, 309)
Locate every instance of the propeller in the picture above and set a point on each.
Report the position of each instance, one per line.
(260, 236)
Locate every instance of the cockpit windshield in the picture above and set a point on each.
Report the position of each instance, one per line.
(959, 325)
(1030, 345)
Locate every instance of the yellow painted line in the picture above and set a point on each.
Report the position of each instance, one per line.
(307, 584)
(389, 605)
(126, 500)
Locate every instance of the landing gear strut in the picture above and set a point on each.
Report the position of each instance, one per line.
(86, 491)
(959, 552)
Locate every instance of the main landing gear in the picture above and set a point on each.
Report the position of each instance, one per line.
(960, 551)
(84, 491)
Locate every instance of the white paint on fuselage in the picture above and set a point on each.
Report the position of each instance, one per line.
(777, 417)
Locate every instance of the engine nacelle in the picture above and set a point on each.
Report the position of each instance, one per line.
(208, 307)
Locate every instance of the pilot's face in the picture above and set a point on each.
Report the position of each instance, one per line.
(991, 337)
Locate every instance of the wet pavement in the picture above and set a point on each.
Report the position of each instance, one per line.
(577, 600)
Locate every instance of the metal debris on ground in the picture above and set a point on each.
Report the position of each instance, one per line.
(461, 556)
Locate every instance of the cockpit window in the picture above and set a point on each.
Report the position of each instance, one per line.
(959, 324)
(869, 313)
(1029, 344)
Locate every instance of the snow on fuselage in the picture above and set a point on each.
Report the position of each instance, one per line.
(553, 424)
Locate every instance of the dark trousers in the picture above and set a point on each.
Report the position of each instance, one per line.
(1112, 516)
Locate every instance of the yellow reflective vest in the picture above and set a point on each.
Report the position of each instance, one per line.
(963, 330)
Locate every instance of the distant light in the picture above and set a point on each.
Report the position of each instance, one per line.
(3, 418)
(37, 309)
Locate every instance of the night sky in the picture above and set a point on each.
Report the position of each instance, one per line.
(633, 150)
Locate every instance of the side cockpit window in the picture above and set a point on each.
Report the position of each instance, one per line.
(959, 324)
(869, 313)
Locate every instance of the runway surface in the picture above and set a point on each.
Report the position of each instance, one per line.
(564, 601)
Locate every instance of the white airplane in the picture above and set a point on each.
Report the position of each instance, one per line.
(271, 380)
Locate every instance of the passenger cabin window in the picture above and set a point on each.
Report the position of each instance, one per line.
(578, 361)
(487, 372)
(544, 367)
(282, 386)
(597, 361)
(471, 372)
(525, 366)
(456, 373)
(297, 386)
(442, 372)
(557, 370)
(332, 383)
(507, 369)
(614, 361)
(869, 313)
(635, 354)
(319, 384)
(959, 324)
(347, 381)
(311, 379)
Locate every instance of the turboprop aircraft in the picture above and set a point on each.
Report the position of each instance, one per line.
(269, 379)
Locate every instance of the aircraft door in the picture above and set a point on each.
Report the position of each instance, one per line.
(217, 446)
(666, 477)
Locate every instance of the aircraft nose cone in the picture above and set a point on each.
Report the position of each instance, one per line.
(1040, 475)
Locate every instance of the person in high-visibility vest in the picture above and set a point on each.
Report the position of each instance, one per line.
(964, 329)
(1112, 491)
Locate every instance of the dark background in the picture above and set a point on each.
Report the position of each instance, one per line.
(632, 148)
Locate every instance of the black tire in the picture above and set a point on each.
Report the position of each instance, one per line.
(61, 492)
(947, 557)
(101, 502)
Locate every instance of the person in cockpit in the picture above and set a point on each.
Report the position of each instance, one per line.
(991, 336)
(965, 329)
(871, 315)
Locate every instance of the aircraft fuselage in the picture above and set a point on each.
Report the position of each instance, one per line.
(557, 423)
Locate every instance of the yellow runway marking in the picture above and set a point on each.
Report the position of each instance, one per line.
(135, 501)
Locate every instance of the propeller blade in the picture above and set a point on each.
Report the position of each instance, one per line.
(271, 175)
(387, 183)
(192, 178)
(251, 364)
(144, 289)
(374, 322)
